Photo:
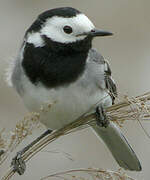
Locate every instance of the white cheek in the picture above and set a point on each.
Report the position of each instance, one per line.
(58, 35)
(53, 28)
(35, 39)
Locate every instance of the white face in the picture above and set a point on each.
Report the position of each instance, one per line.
(54, 28)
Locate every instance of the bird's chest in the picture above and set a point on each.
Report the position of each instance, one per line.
(65, 104)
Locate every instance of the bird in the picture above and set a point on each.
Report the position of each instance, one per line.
(57, 64)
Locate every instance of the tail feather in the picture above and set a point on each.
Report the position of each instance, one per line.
(119, 147)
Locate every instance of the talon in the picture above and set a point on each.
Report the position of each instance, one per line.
(101, 117)
(18, 164)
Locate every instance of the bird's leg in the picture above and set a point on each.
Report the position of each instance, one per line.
(101, 117)
(17, 162)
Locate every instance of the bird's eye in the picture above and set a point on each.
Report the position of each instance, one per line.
(67, 29)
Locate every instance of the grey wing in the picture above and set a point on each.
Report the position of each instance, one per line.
(112, 136)
(104, 77)
(109, 82)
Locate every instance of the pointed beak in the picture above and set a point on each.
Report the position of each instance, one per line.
(96, 32)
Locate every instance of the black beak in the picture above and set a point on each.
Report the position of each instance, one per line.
(96, 32)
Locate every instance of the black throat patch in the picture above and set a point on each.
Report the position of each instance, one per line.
(55, 64)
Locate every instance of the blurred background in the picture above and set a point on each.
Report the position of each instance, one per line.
(128, 52)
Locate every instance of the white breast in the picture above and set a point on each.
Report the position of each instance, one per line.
(68, 103)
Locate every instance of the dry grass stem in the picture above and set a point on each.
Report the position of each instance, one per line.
(90, 174)
(14, 138)
(137, 108)
(2, 141)
(22, 129)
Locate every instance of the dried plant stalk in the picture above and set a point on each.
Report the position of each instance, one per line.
(2, 141)
(22, 130)
(90, 174)
(129, 109)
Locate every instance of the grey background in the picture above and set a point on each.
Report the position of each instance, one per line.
(128, 53)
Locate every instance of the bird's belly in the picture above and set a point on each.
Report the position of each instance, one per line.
(67, 103)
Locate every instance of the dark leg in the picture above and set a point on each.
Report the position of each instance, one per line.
(17, 162)
(101, 118)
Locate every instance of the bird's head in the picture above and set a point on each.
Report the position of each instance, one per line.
(62, 27)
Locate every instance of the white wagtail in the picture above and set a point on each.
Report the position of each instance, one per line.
(56, 63)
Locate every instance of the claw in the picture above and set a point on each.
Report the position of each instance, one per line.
(101, 118)
(18, 164)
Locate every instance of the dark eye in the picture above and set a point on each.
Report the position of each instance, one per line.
(67, 29)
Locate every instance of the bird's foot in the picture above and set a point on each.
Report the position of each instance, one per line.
(18, 164)
(101, 117)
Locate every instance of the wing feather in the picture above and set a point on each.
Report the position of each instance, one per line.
(109, 82)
